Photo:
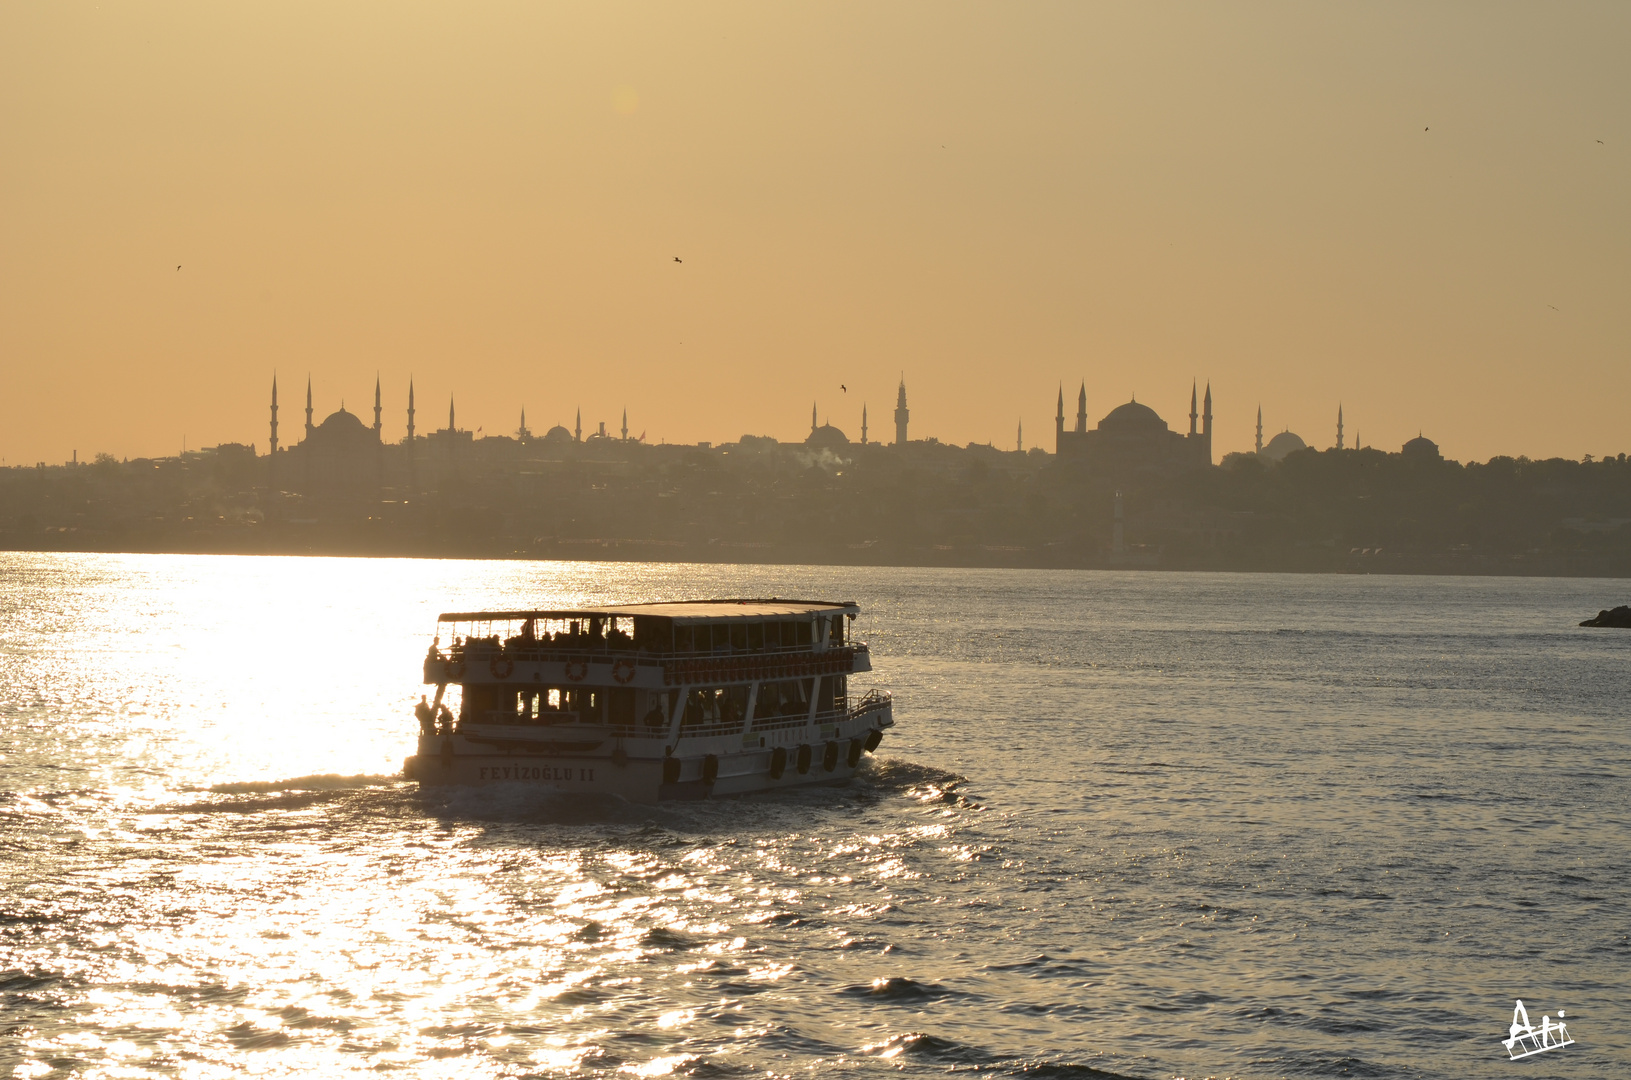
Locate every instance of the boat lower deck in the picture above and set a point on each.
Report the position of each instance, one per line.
(644, 770)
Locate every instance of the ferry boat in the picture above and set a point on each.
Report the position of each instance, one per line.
(673, 700)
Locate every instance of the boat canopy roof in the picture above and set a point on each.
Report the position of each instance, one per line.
(699, 610)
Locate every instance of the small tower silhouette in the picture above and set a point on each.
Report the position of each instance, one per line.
(378, 426)
(1081, 409)
(1260, 429)
(1059, 420)
(451, 427)
(309, 427)
(577, 427)
(902, 413)
(521, 432)
(863, 423)
(625, 423)
(812, 418)
(274, 414)
(410, 411)
(1019, 438)
(1193, 415)
(1339, 425)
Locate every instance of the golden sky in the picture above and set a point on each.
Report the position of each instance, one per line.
(1422, 212)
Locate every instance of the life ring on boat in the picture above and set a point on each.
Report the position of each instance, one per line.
(829, 756)
(804, 758)
(778, 762)
(623, 671)
(671, 770)
(710, 769)
(873, 738)
(854, 758)
(577, 670)
(501, 666)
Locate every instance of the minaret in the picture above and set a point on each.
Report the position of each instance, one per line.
(625, 423)
(1192, 414)
(1339, 425)
(863, 423)
(411, 477)
(1081, 410)
(378, 426)
(1260, 429)
(308, 407)
(577, 427)
(521, 432)
(450, 426)
(274, 414)
(902, 413)
(1206, 422)
(1019, 439)
(812, 419)
(1059, 421)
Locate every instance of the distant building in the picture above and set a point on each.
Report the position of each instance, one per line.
(341, 458)
(1421, 449)
(824, 436)
(1287, 442)
(1134, 437)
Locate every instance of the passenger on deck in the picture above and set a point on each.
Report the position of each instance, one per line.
(444, 720)
(427, 718)
(655, 720)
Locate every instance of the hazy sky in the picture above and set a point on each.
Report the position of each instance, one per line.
(1423, 212)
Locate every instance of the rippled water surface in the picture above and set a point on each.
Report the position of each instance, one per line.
(1135, 825)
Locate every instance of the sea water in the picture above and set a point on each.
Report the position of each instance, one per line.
(1127, 824)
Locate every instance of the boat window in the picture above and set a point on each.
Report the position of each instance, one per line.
(682, 639)
(722, 637)
(790, 697)
(835, 633)
(756, 637)
(830, 695)
(803, 631)
(620, 706)
(739, 637)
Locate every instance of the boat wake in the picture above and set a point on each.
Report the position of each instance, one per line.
(318, 782)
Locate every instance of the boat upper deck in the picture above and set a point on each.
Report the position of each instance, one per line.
(683, 627)
(683, 610)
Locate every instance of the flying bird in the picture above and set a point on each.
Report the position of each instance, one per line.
(178, 265)
(844, 388)
(1599, 142)
(678, 259)
(1552, 306)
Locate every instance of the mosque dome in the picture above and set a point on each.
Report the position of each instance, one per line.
(557, 434)
(343, 423)
(1421, 448)
(1133, 417)
(827, 436)
(1287, 442)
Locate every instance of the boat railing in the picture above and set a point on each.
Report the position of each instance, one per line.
(479, 649)
(874, 701)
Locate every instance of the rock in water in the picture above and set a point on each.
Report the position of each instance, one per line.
(1620, 617)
